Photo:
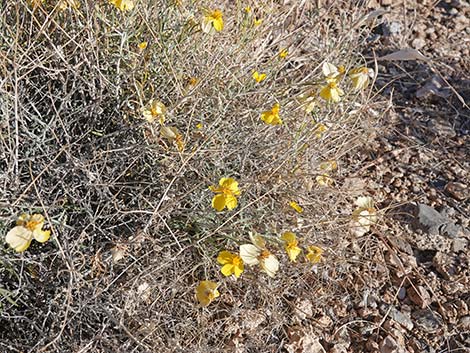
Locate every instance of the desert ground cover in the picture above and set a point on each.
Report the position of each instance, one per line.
(234, 176)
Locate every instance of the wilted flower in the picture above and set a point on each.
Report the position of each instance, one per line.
(258, 77)
(331, 71)
(331, 92)
(314, 254)
(232, 263)
(226, 194)
(206, 292)
(364, 216)
(172, 134)
(212, 20)
(319, 129)
(64, 4)
(283, 53)
(271, 117)
(256, 253)
(324, 180)
(155, 110)
(296, 206)
(329, 166)
(291, 245)
(27, 228)
(123, 5)
(360, 77)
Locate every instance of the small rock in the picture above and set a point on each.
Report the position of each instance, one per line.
(427, 320)
(392, 29)
(458, 191)
(389, 345)
(443, 264)
(402, 293)
(465, 323)
(459, 244)
(418, 43)
(401, 318)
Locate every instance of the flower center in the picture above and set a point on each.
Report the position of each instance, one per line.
(264, 254)
(236, 261)
(332, 85)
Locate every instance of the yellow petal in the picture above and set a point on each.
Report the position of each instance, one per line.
(289, 237)
(227, 270)
(231, 202)
(293, 252)
(249, 254)
(296, 206)
(238, 270)
(19, 238)
(218, 202)
(41, 235)
(225, 257)
(218, 24)
(283, 54)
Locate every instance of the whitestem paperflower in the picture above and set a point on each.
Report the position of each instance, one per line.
(294, 205)
(123, 5)
(331, 91)
(364, 216)
(319, 129)
(291, 245)
(314, 254)
(226, 194)
(143, 46)
(331, 71)
(258, 77)
(212, 20)
(206, 292)
(155, 110)
(360, 77)
(257, 253)
(257, 21)
(324, 180)
(231, 263)
(271, 117)
(173, 135)
(27, 228)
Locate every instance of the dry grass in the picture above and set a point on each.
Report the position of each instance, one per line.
(73, 147)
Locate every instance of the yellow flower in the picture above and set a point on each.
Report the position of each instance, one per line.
(143, 45)
(360, 77)
(173, 135)
(291, 245)
(199, 126)
(27, 228)
(232, 263)
(364, 216)
(283, 53)
(258, 77)
(319, 129)
(248, 9)
(331, 71)
(296, 206)
(271, 117)
(256, 253)
(314, 254)
(331, 92)
(257, 21)
(308, 101)
(212, 20)
(206, 292)
(226, 194)
(324, 180)
(123, 5)
(155, 110)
